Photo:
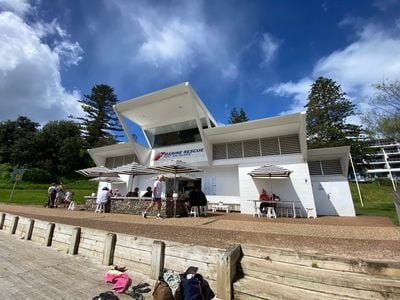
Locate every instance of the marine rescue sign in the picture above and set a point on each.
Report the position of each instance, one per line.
(194, 152)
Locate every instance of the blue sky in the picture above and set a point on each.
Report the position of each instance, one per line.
(259, 55)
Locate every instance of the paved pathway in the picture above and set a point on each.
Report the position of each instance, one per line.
(31, 271)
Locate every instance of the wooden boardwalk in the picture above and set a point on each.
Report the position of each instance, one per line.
(31, 271)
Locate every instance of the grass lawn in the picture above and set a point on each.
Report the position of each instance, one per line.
(30, 193)
(37, 196)
(377, 198)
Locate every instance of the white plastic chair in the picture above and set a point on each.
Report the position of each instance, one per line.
(194, 211)
(71, 205)
(311, 213)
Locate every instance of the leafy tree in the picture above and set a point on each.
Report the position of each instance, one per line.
(384, 119)
(100, 119)
(327, 111)
(60, 145)
(17, 140)
(237, 117)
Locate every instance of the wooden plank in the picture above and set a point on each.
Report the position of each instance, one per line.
(49, 234)
(345, 292)
(74, 241)
(93, 234)
(198, 253)
(2, 219)
(133, 265)
(14, 224)
(135, 242)
(316, 275)
(61, 237)
(209, 271)
(29, 231)
(226, 270)
(381, 267)
(133, 254)
(60, 246)
(97, 248)
(157, 259)
(269, 290)
(109, 247)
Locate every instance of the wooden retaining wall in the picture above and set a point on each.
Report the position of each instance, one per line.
(274, 273)
(141, 255)
(241, 272)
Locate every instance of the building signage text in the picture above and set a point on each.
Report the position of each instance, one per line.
(177, 154)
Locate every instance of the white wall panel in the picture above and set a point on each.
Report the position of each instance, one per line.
(333, 196)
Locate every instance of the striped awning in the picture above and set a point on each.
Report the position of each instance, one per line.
(175, 167)
(96, 172)
(270, 171)
(108, 179)
(133, 169)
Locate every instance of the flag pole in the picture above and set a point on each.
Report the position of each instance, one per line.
(355, 177)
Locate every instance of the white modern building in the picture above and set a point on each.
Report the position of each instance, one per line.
(384, 162)
(178, 126)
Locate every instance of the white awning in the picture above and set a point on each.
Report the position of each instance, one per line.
(133, 169)
(270, 171)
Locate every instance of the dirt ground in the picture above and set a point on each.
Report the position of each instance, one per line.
(358, 237)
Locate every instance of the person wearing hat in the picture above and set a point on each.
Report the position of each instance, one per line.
(157, 188)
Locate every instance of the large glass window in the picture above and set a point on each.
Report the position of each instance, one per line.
(174, 134)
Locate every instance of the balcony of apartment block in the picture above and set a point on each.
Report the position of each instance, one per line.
(384, 143)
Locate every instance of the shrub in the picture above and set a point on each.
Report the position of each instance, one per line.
(36, 175)
(5, 171)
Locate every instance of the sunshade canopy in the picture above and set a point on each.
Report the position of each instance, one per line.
(270, 171)
(96, 172)
(108, 179)
(175, 167)
(133, 169)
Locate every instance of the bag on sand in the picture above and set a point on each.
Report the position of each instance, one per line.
(162, 291)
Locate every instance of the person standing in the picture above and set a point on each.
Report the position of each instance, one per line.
(51, 195)
(157, 188)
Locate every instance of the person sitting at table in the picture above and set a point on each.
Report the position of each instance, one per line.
(148, 193)
(264, 197)
(133, 193)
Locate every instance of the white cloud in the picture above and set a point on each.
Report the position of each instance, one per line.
(30, 80)
(269, 46)
(177, 42)
(19, 7)
(373, 57)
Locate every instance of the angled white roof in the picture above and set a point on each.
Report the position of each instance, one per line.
(172, 105)
(280, 125)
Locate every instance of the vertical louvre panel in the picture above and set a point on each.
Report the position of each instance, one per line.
(113, 162)
(315, 167)
(109, 162)
(129, 159)
(331, 167)
(251, 148)
(269, 146)
(290, 144)
(235, 150)
(219, 151)
(118, 161)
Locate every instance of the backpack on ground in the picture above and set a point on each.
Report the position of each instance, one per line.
(162, 291)
(194, 288)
